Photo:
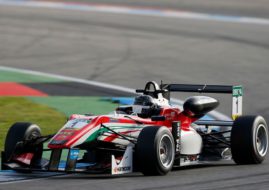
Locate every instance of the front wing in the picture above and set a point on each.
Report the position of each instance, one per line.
(72, 164)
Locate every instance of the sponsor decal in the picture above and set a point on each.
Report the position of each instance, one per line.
(178, 138)
(58, 142)
(168, 117)
(237, 107)
(114, 120)
(66, 133)
(122, 169)
(73, 154)
(237, 91)
(189, 159)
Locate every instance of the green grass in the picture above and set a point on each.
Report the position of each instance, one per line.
(78, 105)
(14, 109)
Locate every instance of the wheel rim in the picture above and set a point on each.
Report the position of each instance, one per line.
(166, 152)
(261, 140)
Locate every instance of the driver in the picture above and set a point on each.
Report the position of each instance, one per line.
(145, 106)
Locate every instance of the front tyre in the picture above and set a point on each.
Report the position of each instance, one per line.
(20, 132)
(249, 140)
(155, 150)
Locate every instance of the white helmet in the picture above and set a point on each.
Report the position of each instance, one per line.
(145, 106)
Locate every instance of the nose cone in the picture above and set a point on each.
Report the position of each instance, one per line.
(199, 105)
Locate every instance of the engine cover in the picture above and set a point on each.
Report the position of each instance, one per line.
(197, 106)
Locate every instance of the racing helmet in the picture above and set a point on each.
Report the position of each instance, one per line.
(145, 106)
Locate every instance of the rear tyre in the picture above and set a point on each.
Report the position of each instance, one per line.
(155, 150)
(249, 140)
(20, 132)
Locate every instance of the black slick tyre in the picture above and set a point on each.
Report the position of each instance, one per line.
(155, 150)
(249, 140)
(19, 132)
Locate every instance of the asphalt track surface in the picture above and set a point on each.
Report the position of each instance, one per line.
(128, 50)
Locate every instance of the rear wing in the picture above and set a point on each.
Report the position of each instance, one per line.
(198, 88)
(154, 90)
(236, 91)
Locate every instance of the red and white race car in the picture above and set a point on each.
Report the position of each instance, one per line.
(150, 136)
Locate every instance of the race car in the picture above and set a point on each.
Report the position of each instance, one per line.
(151, 136)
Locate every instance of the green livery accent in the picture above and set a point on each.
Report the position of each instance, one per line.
(100, 131)
(237, 91)
(96, 134)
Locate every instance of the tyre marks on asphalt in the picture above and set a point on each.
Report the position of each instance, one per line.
(141, 11)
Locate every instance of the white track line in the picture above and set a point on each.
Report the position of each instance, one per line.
(66, 78)
(143, 11)
(214, 114)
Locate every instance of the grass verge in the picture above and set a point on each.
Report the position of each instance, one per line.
(14, 109)
(76, 104)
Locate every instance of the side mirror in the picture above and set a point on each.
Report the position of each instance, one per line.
(158, 118)
(198, 106)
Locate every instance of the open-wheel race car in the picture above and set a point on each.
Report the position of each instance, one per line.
(151, 136)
